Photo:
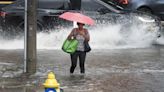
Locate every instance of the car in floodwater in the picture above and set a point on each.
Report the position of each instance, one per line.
(155, 7)
(49, 10)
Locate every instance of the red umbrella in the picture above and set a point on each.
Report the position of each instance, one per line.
(78, 17)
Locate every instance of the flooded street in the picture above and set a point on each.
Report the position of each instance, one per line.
(115, 70)
(127, 47)
(120, 61)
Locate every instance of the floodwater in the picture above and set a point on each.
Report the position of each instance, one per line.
(119, 70)
(118, 62)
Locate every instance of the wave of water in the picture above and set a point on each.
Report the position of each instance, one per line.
(102, 37)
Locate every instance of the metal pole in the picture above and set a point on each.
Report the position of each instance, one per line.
(74, 24)
(25, 37)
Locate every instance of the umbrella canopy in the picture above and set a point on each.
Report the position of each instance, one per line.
(78, 17)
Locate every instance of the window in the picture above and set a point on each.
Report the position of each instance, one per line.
(50, 4)
(75, 4)
(91, 5)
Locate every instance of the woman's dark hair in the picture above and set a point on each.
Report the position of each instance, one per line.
(80, 23)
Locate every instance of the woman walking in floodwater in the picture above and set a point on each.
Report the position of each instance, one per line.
(81, 34)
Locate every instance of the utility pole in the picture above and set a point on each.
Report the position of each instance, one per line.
(30, 57)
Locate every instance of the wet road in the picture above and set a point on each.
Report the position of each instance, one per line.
(117, 70)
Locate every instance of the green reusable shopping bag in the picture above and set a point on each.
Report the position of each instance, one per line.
(70, 46)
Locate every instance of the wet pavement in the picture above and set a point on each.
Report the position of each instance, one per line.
(112, 70)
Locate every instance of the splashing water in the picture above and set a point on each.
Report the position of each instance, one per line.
(11, 44)
(102, 37)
